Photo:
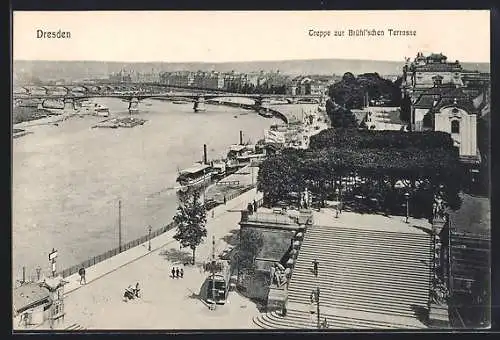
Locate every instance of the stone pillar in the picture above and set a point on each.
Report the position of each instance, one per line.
(133, 105)
(69, 105)
(439, 292)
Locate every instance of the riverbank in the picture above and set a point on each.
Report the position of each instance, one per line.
(83, 173)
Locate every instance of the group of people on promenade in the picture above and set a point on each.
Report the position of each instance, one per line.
(177, 273)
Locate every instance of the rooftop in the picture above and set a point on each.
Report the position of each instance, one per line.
(29, 295)
(426, 97)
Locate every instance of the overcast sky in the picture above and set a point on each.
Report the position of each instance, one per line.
(174, 36)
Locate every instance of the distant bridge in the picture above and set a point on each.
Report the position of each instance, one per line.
(142, 90)
(134, 93)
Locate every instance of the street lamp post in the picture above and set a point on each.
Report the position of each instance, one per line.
(149, 237)
(214, 303)
(407, 197)
(315, 271)
(337, 206)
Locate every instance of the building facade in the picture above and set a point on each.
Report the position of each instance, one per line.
(460, 123)
(440, 101)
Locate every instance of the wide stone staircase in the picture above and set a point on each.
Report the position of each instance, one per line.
(368, 278)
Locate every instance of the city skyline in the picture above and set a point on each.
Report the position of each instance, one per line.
(220, 37)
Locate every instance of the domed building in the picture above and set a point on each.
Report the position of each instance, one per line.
(440, 101)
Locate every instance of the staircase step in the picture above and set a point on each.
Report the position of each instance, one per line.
(373, 307)
(298, 322)
(349, 321)
(330, 298)
(265, 323)
(74, 327)
(362, 250)
(372, 291)
(377, 269)
(334, 259)
(302, 320)
(307, 256)
(289, 322)
(373, 232)
(348, 245)
(362, 237)
(351, 283)
(342, 269)
(364, 294)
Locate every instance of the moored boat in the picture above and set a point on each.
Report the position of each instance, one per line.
(195, 175)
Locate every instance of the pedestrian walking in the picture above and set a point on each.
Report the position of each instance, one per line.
(225, 199)
(81, 271)
(173, 272)
(177, 272)
(182, 273)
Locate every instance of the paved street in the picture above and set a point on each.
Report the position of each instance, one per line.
(166, 303)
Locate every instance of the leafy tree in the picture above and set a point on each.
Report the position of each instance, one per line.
(191, 220)
(251, 242)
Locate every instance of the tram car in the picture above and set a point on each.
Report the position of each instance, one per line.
(218, 283)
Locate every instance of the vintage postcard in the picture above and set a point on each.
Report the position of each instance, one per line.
(251, 170)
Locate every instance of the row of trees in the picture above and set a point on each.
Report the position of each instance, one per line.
(364, 139)
(373, 163)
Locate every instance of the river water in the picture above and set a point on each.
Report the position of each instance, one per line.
(68, 179)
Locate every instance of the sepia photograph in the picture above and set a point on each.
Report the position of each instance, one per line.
(250, 170)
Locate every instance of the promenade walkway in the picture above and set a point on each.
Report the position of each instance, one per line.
(166, 303)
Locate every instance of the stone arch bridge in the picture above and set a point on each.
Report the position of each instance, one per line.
(135, 93)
